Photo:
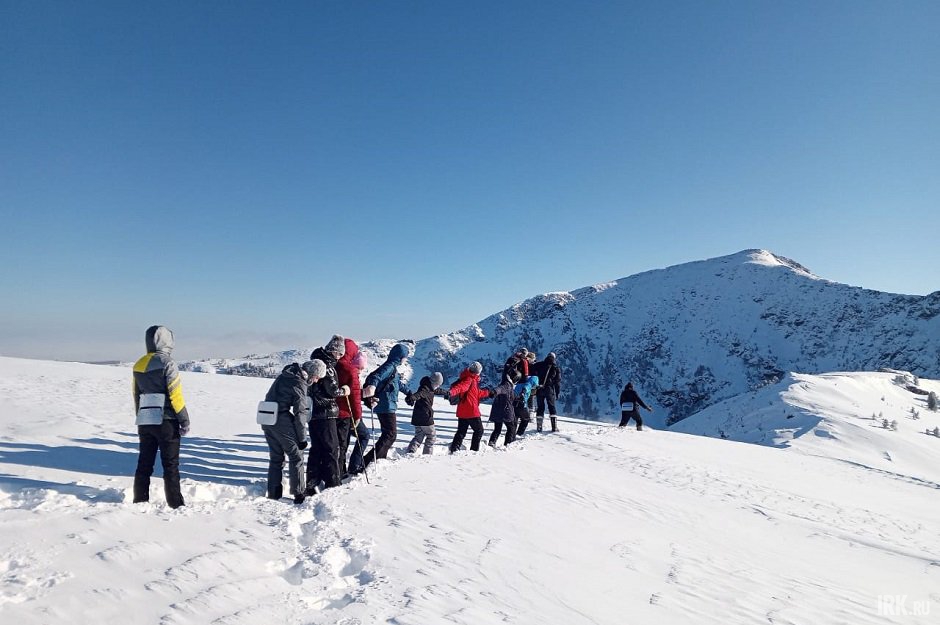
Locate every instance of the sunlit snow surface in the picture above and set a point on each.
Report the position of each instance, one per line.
(590, 525)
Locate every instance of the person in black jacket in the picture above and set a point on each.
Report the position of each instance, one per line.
(502, 412)
(288, 434)
(549, 373)
(323, 463)
(162, 416)
(422, 417)
(630, 404)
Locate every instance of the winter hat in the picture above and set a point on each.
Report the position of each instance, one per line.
(551, 355)
(437, 379)
(337, 345)
(523, 352)
(314, 368)
(475, 367)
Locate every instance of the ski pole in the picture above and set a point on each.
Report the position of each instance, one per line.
(355, 424)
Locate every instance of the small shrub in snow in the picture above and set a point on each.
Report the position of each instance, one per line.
(936, 432)
(894, 425)
(885, 424)
(914, 414)
(932, 401)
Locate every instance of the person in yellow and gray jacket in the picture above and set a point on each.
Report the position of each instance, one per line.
(161, 416)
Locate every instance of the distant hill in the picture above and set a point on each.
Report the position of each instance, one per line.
(688, 336)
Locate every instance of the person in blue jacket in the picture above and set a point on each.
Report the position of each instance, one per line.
(524, 391)
(380, 393)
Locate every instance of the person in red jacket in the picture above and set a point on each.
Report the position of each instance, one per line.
(349, 422)
(468, 409)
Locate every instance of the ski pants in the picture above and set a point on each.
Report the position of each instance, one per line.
(323, 462)
(545, 396)
(361, 437)
(510, 433)
(343, 428)
(423, 434)
(282, 442)
(462, 425)
(164, 438)
(523, 424)
(634, 414)
(389, 423)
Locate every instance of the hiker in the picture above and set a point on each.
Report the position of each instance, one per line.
(502, 412)
(162, 418)
(323, 461)
(422, 417)
(287, 437)
(381, 395)
(349, 424)
(630, 404)
(525, 394)
(467, 388)
(516, 366)
(550, 375)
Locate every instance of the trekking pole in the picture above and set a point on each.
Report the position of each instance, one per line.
(362, 453)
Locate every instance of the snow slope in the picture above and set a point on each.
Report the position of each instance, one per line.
(832, 415)
(591, 525)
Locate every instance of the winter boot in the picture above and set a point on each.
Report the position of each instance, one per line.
(639, 428)
(299, 499)
(554, 424)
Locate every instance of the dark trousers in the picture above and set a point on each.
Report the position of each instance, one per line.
(544, 397)
(626, 415)
(389, 425)
(280, 445)
(523, 424)
(343, 429)
(510, 433)
(462, 424)
(361, 437)
(323, 462)
(164, 438)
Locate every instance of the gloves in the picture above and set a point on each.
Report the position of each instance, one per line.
(184, 430)
(344, 390)
(370, 402)
(368, 391)
(302, 445)
(410, 399)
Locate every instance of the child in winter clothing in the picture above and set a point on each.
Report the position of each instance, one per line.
(349, 425)
(381, 393)
(288, 435)
(502, 413)
(524, 392)
(422, 417)
(467, 388)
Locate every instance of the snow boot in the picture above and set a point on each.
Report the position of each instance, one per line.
(554, 424)
(299, 499)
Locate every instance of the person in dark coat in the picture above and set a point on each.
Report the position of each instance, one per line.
(349, 424)
(422, 417)
(157, 381)
(323, 462)
(630, 404)
(516, 366)
(381, 393)
(467, 388)
(549, 373)
(288, 437)
(524, 394)
(502, 412)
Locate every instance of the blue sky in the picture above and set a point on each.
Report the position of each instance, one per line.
(258, 176)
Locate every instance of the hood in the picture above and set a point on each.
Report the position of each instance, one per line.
(327, 357)
(159, 339)
(293, 369)
(426, 383)
(466, 373)
(398, 353)
(350, 357)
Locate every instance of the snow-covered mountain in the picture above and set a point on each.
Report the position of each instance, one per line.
(694, 334)
(593, 525)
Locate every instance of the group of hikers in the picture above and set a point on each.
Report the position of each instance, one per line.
(325, 397)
